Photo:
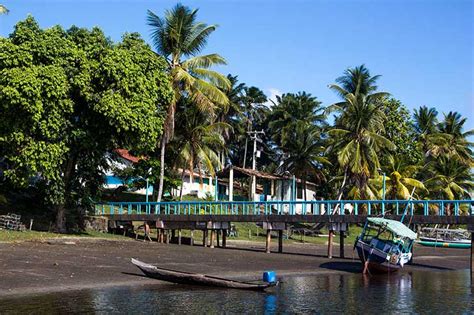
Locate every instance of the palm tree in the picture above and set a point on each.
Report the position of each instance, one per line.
(427, 132)
(304, 154)
(449, 179)
(356, 81)
(198, 141)
(358, 141)
(3, 9)
(177, 36)
(457, 145)
(400, 179)
(233, 115)
(254, 110)
(357, 133)
(291, 109)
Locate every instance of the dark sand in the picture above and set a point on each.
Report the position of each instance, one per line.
(35, 267)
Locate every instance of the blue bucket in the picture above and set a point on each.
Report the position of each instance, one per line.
(269, 276)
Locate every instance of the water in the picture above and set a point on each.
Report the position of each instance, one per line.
(414, 293)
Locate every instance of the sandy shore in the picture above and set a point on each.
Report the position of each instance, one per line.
(34, 267)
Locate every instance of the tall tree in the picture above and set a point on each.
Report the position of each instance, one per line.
(291, 109)
(400, 179)
(69, 97)
(254, 111)
(457, 143)
(357, 81)
(176, 36)
(449, 178)
(357, 137)
(399, 129)
(198, 141)
(296, 124)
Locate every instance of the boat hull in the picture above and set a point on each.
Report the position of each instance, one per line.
(196, 279)
(377, 259)
(444, 244)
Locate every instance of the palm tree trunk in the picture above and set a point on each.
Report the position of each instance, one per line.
(245, 152)
(341, 190)
(182, 184)
(162, 169)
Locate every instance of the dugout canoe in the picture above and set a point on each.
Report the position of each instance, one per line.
(182, 277)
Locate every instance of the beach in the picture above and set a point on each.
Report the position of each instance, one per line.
(78, 263)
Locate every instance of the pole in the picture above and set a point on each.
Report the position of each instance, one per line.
(254, 164)
(293, 193)
(383, 195)
(146, 198)
(216, 190)
(231, 184)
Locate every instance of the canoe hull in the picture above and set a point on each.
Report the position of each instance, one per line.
(196, 279)
(444, 244)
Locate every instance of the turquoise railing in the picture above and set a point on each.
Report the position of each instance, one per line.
(316, 207)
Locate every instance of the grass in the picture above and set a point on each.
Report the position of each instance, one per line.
(18, 236)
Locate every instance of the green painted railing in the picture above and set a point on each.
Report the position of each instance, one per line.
(316, 207)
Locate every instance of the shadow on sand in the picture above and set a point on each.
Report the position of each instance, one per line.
(347, 266)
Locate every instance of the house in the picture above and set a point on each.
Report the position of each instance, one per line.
(121, 159)
(267, 187)
(195, 184)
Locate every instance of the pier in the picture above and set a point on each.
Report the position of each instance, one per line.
(213, 218)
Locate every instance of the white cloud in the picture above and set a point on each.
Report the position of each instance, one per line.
(272, 97)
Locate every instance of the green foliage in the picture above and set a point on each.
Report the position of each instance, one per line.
(399, 130)
(67, 98)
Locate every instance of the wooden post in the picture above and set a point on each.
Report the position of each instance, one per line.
(179, 236)
(231, 184)
(280, 241)
(191, 242)
(204, 238)
(269, 238)
(331, 235)
(224, 238)
(213, 236)
(341, 244)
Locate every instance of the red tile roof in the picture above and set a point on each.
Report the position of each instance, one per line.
(125, 154)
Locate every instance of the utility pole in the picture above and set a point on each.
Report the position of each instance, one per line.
(254, 136)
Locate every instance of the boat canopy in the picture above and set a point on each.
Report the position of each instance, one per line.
(395, 227)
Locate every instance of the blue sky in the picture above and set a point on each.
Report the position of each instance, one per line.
(422, 49)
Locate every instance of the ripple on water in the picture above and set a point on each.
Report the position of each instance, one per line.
(417, 292)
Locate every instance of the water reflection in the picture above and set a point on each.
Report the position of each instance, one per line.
(417, 292)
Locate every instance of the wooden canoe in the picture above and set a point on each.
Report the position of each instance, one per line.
(181, 277)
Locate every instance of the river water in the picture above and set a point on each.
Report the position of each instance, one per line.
(420, 292)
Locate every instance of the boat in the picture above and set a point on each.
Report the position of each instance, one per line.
(181, 277)
(452, 238)
(384, 245)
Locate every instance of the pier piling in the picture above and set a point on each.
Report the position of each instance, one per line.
(341, 244)
(213, 236)
(269, 238)
(224, 238)
(280, 241)
(331, 236)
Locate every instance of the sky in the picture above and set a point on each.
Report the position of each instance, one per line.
(422, 48)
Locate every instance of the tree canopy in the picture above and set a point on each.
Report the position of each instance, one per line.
(68, 97)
